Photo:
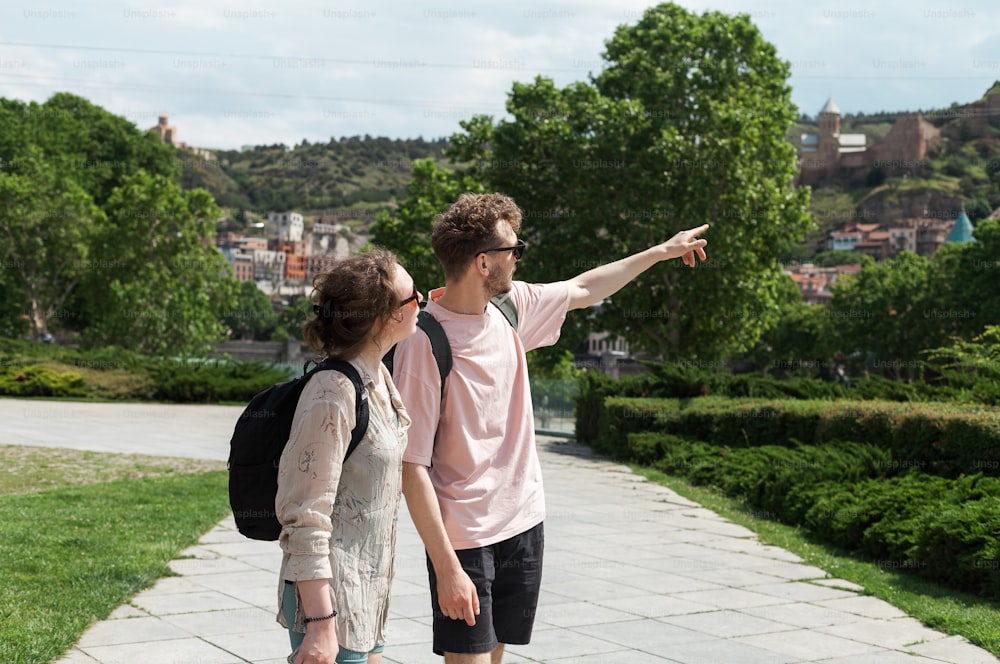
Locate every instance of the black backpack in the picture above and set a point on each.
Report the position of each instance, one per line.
(439, 340)
(260, 436)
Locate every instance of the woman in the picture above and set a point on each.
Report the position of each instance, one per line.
(339, 518)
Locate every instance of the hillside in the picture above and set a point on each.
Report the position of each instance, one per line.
(350, 179)
(962, 169)
(346, 177)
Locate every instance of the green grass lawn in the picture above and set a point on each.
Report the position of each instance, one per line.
(976, 619)
(83, 532)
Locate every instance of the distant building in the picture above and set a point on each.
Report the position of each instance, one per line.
(286, 226)
(815, 282)
(168, 134)
(828, 152)
(165, 130)
(319, 263)
(826, 146)
(922, 236)
(931, 236)
(268, 265)
(849, 236)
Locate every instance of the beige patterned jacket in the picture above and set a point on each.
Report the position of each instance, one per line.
(339, 519)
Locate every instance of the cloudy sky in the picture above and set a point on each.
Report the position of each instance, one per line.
(233, 73)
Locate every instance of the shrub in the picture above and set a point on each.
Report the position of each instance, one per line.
(944, 439)
(40, 381)
(212, 381)
(944, 529)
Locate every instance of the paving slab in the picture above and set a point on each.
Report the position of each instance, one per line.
(633, 572)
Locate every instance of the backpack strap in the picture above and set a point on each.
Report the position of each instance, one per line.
(440, 347)
(439, 344)
(360, 401)
(506, 307)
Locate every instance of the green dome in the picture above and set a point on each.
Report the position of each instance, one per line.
(962, 230)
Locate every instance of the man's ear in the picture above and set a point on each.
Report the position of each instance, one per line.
(481, 265)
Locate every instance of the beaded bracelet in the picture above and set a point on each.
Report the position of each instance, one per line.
(319, 619)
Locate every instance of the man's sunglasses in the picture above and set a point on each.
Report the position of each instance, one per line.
(413, 298)
(517, 249)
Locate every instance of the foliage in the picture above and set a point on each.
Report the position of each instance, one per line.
(31, 369)
(685, 124)
(82, 142)
(945, 439)
(880, 312)
(973, 271)
(40, 381)
(253, 317)
(47, 223)
(295, 315)
(849, 494)
(332, 179)
(166, 293)
(973, 366)
(100, 237)
(212, 381)
(408, 231)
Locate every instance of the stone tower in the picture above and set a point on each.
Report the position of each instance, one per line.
(829, 132)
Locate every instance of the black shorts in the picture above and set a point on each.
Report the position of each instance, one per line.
(508, 576)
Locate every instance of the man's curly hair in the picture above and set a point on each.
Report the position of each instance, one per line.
(469, 226)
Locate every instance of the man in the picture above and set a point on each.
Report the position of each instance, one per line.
(471, 475)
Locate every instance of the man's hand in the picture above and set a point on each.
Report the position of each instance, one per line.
(686, 244)
(457, 595)
(603, 281)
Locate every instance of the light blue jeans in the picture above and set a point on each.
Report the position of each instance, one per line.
(345, 656)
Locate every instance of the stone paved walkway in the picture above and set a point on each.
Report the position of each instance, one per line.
(633, 573)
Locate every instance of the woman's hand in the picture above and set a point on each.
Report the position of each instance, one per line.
(320, 645)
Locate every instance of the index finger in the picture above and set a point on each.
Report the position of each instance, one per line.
(470, 616)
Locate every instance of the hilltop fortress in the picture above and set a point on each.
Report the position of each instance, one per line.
(831, 154)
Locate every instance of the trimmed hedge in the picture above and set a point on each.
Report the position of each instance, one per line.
(36, 370)
(210, 382)
(942, 439)
(946, 530)
(677, 381)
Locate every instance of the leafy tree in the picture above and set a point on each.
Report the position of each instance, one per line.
(408, 233)
(833, 258)
(99, 235)
(881, 313)
(158, 285)
(800, 339)
(294, 316)
(974, 295)
(685, 124)
(46, 225)
(971, 362)
(83, 142)
(253, 316)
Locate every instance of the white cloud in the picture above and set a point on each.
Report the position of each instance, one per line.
(233, 73)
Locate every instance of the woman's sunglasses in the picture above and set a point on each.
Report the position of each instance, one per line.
(413, 298)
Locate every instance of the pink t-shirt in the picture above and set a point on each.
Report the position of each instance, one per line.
(480, 446)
